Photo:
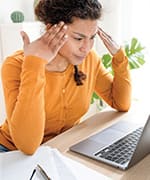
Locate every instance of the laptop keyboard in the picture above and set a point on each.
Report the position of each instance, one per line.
(121, 151)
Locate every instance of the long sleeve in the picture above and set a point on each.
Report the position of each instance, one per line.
(24, 98)
(116, 91)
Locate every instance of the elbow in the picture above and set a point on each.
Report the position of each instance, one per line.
(27, 141)
(27, 146)
(124, 107)
(28, 151)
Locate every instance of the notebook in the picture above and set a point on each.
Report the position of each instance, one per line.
(121, 145)
(15, 165)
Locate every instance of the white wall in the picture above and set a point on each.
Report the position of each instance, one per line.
(109, 22)
(6, 7)
(135, 23)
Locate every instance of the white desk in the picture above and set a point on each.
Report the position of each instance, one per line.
(91, 126)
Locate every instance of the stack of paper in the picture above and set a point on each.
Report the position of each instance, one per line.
(17, 166)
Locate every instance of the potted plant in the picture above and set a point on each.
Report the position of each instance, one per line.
(17, 16)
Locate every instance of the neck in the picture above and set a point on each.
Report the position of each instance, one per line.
(58, 64)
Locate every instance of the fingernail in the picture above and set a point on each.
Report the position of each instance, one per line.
(65, 27)
(61, 23)
(65, 36)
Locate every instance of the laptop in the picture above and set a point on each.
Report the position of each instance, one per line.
(121, 145)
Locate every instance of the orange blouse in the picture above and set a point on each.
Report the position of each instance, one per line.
(41, 104)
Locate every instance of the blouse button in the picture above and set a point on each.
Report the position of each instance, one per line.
(63, 90)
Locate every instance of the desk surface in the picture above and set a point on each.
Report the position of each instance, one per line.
(94, 124)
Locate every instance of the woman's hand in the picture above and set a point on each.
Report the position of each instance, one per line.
(48, 45)
(110, 44)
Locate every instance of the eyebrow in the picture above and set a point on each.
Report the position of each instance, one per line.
(84, 36)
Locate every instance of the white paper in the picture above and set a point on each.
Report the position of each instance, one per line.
(18, 166)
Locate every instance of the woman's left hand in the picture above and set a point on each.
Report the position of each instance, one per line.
(110, 44)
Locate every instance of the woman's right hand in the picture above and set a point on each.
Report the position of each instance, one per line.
(48, 45)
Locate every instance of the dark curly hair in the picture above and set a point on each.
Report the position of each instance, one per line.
(54, 11)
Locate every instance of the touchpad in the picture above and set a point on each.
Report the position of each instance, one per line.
(107, 136)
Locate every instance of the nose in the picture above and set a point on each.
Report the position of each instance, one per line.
(85, 46)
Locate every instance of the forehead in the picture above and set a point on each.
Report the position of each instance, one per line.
(87, 27)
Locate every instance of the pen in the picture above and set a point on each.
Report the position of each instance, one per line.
(32, 174)
(43, 173)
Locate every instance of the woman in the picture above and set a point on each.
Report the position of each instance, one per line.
(48, 86)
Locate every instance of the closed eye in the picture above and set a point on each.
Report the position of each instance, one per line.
(78, 39)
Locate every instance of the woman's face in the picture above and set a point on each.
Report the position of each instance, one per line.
(81, 34)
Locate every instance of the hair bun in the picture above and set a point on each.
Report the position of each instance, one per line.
(79, 76)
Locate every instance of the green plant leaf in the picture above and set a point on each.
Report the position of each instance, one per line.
(133, 43)
(140, 60)
(127, 49)
(106, 59)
